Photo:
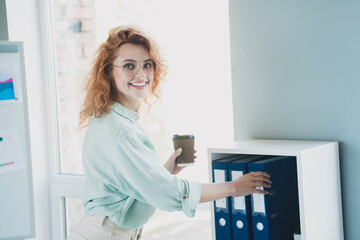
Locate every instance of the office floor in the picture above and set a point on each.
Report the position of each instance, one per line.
(176, 226)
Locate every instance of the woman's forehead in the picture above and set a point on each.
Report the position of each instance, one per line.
(132, 51)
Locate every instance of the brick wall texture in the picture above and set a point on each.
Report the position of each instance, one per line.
(75, 42)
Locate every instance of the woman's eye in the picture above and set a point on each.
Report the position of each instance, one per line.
(148, 65)
(129, 66)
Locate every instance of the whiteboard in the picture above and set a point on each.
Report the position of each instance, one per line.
(16, 191)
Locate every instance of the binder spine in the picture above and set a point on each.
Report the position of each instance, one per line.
(260, 223)
(275, 216)
(240, 207)
(222, 207)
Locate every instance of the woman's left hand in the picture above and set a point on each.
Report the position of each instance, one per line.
(170, 165)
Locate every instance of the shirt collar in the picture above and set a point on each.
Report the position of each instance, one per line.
(125, 112)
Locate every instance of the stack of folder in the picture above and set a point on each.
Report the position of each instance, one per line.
(274, 216)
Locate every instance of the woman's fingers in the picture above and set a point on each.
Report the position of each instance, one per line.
(261, 176)
(260, 191)
(258, 180)
(262, 179)
(194, 154)
(177, 152)
(261, 184)
(260, 173)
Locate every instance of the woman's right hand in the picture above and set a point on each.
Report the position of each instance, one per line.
(250, 183)
(242, 186)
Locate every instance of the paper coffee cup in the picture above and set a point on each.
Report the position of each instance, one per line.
(186, 143)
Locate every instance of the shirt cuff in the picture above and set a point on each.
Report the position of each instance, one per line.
(191, 197)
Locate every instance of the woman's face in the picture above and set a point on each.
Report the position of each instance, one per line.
(132, 89)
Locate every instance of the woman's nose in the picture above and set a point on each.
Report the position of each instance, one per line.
(140, 73)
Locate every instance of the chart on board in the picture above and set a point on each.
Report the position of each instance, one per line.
(7, 91)
(11, 157)
(9, 84)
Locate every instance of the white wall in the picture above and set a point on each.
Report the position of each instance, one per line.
(24, 25)
(296, 76)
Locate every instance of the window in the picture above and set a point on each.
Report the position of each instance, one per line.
(194, 38)
(73, 213)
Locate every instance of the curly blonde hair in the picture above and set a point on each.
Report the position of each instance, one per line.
(100, 87)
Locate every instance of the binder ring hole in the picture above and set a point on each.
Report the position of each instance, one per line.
(260, 226)
(222, 222)
(239, 224)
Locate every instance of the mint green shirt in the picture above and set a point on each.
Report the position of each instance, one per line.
(124, 176)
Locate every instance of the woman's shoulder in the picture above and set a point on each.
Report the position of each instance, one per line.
(109, 124)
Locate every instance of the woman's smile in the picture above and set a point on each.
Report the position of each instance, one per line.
(139, 84)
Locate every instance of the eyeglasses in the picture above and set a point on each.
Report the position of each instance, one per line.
(130, 69)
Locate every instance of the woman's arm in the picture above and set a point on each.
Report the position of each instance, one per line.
(242, 186)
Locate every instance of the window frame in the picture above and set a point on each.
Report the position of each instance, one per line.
(61, 185)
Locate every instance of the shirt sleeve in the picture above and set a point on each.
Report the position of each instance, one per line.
(136, 171)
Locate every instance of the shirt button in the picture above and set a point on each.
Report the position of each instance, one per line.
(184, 197)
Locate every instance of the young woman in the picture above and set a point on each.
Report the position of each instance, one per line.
(125, 181)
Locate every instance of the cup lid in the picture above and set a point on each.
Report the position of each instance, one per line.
(177, 136)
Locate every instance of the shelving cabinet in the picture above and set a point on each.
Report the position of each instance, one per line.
(318, 175)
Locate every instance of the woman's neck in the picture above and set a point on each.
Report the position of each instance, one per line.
(132, 106)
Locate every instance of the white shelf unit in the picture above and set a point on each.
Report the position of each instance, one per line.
(318, 181)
